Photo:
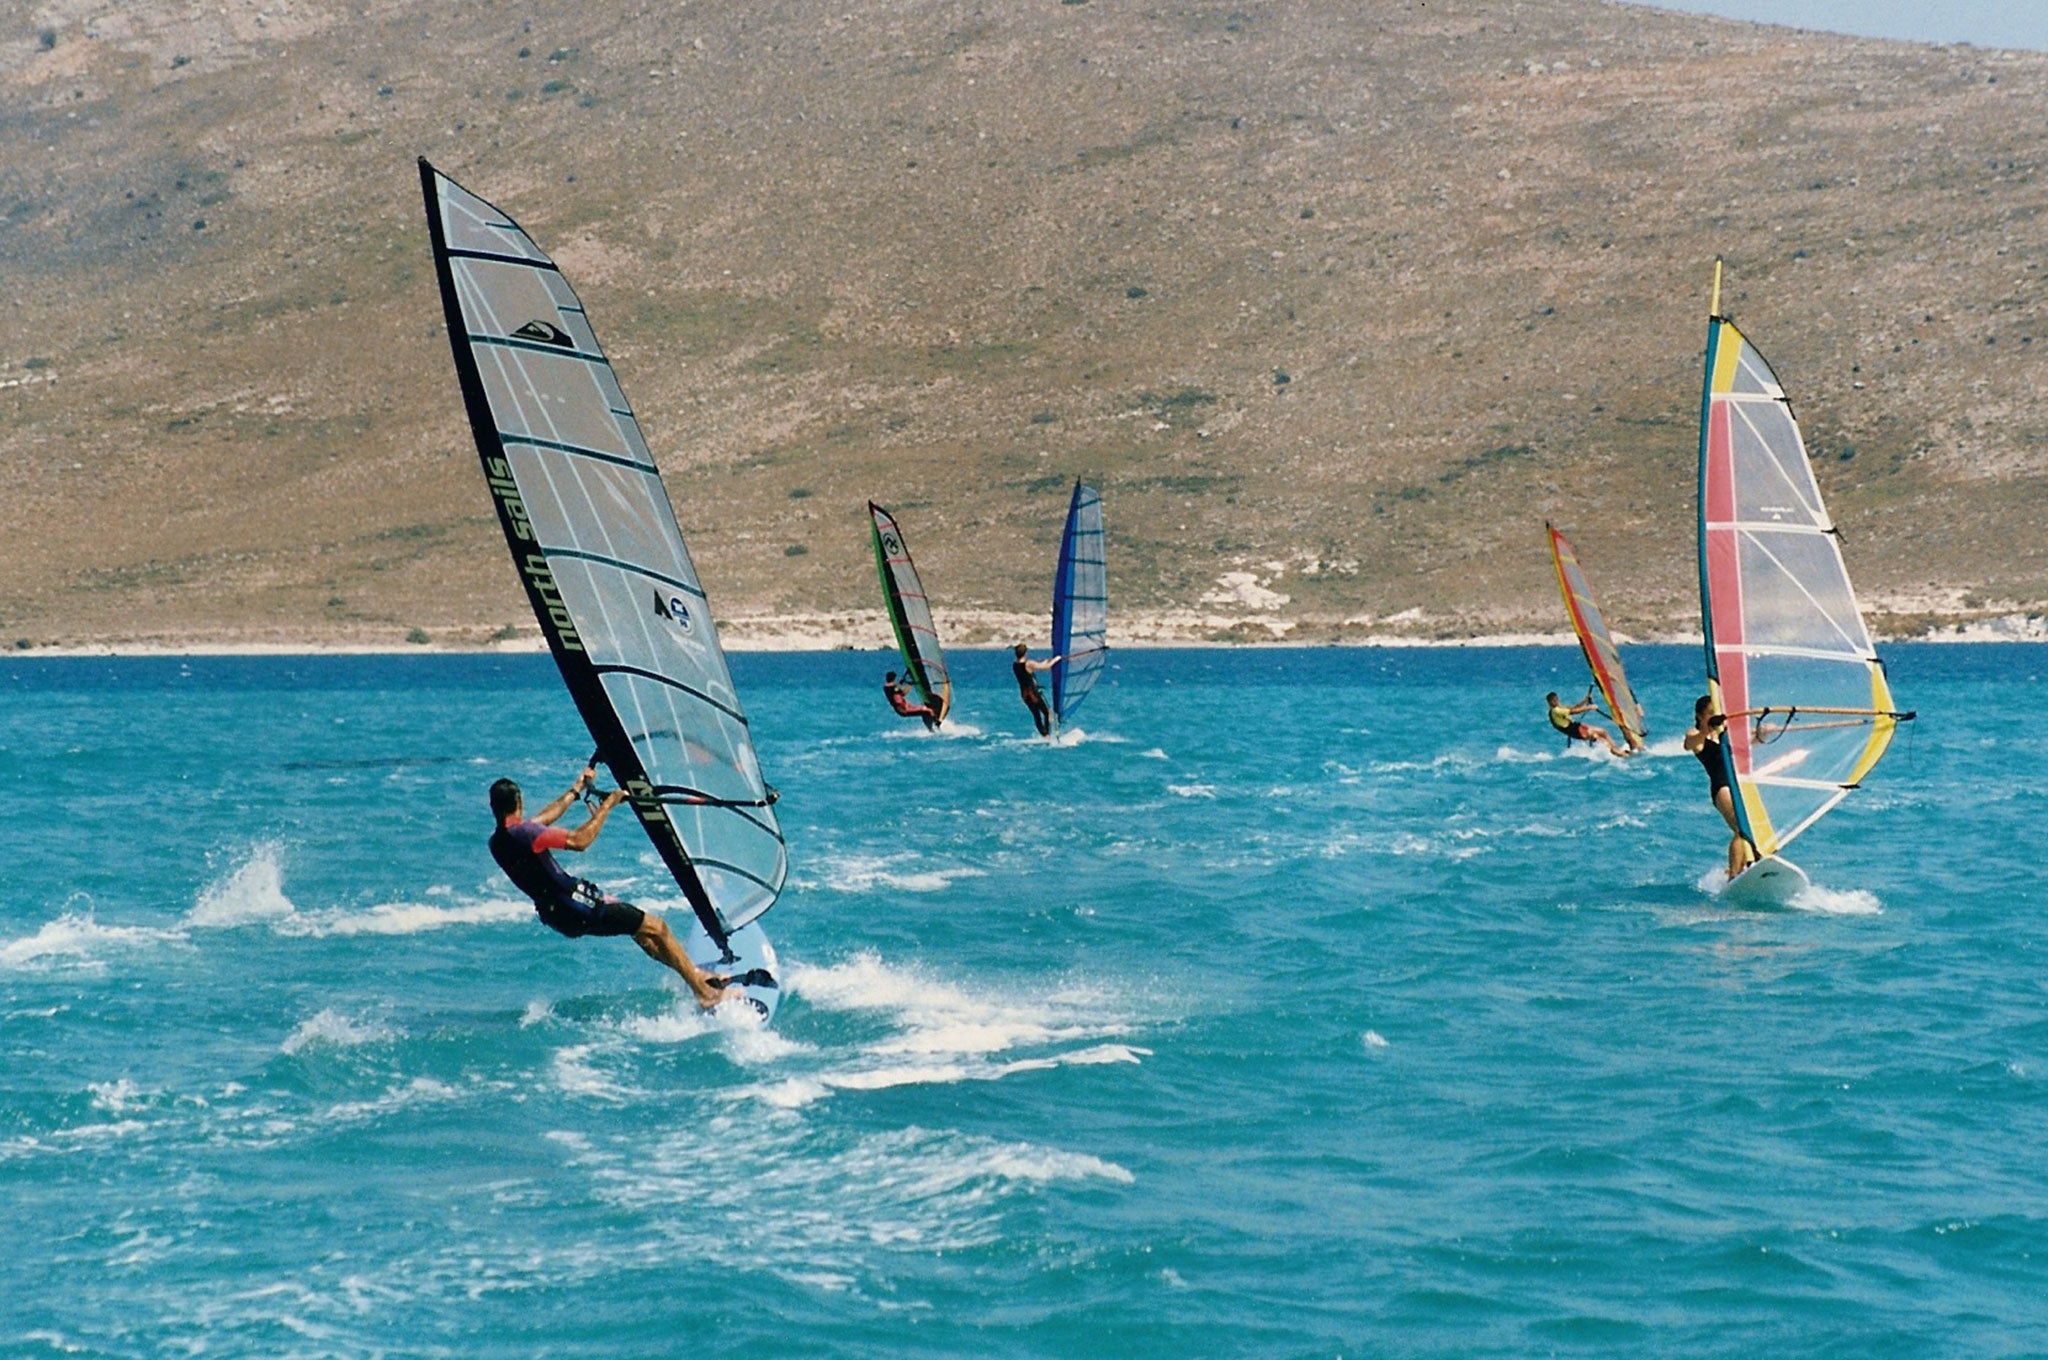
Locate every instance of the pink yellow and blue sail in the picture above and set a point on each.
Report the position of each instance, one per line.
(1788, 657)
(1603, 658)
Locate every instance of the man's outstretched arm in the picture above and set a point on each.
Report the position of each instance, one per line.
(582, 836)
(548, 815)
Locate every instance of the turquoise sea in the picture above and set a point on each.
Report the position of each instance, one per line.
(1307, 1003)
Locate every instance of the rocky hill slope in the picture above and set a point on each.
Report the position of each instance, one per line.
(1339, 302)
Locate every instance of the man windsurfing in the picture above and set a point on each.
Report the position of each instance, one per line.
(898, 695)
(1566, 720)
(1027, 688)
(524, 848)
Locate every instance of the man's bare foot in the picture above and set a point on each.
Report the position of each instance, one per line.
(714, 990)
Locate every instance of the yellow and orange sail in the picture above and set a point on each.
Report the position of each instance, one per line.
(1603, 658)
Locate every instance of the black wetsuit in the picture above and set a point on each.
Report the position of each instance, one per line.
(565, 904)
(1033, 700)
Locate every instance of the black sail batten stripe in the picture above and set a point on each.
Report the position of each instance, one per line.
(585, 687)
(538, 347)
(495, 257)
(635, 568)
(747, 813)
(534, 441)
(687, 795)
(744, 810)
(620, 668)
(747, 874)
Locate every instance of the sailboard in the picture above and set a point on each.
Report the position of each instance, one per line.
(597, 546)
(1603, 658)
(1789, 660)
(910, 613)
(1080, 604)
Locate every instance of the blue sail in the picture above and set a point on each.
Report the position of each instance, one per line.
(1080, 604)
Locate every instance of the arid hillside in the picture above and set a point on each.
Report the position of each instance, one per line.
(1338, 301)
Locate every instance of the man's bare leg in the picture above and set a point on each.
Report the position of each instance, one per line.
(659, 943)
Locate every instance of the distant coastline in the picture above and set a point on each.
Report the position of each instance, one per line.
(857, 633)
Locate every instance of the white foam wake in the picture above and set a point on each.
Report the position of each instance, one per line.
(866, 873)
(1812, 898)
(401, 918)
(740, 1032)
(330, 1028)
(941, 1017)
(797, 1092)
(79, 938)
(940, 1033)
(1837, 901)
(952, 729)
(1510, 755)
(252, 891)
(819, 1208)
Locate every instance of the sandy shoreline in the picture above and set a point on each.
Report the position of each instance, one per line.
(856, 632)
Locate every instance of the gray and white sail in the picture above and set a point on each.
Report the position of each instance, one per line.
(597, 545)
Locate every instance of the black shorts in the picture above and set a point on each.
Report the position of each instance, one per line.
(1577, 732)
(594, 914)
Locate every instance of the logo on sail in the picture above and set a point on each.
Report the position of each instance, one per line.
(891, 544)
(546, 333)
(672, 609)
(540, 583)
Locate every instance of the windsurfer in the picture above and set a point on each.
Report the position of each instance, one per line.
(1566, 720)
(573, 906)
(1708, 740)
(899, 699)
(1028, 689)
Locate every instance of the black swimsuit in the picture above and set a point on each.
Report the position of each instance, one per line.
(1714, 756)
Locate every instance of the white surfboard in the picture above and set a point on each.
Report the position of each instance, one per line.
(1772, 881)
(752, 965)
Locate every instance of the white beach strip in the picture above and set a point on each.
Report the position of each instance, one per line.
(968, 629)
